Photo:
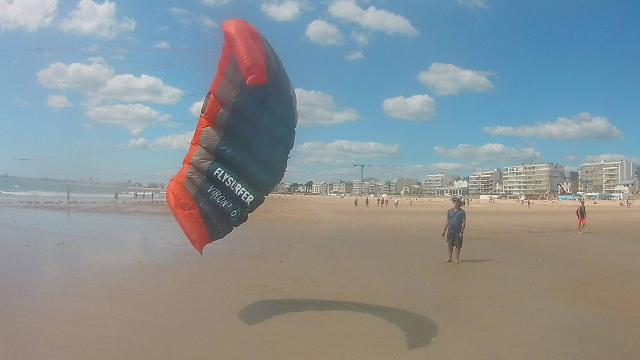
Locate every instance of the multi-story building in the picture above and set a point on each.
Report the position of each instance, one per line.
(538, 179)
(403, 185)
(321, 188)
(340, 187)
(484, 182)
(603, 177)
(460, 188)
(432, 183)
(366, 186)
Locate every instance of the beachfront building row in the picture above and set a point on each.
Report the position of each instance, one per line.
(609, 177)
(371, 186)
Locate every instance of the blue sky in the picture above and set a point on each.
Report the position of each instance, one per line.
(112, 89)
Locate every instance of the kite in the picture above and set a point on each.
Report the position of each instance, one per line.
(241, 144)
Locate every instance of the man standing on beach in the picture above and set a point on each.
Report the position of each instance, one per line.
(456, 222)
(68, 195)
(581, 212)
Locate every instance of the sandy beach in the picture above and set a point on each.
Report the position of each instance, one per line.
(315, 278)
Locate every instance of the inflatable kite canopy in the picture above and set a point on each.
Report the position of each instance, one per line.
(242, 141)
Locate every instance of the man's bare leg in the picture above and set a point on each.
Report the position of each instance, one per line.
(450, 255)
(457, 255)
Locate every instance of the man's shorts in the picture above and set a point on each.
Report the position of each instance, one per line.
(454, 240)
(582, 221)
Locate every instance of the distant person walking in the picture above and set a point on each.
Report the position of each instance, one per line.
(355, 203)
(378, 202)
(455, 224)
(366, 202)
(581, 213)
(386, 202)
(152, 196)
(396, 201)
(115, 197)
(68, 195)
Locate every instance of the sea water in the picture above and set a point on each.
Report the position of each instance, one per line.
(18, 189)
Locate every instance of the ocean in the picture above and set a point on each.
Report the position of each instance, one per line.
(12, 189)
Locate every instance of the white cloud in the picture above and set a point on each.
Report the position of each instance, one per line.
(97, 82)
(174, 141)
(489, 152)
(140, 143)
(482, 4)
(583, 126)
(133, 117)
(316, 107)
(58, 102)
(90, 18)
(215, 2)
(81, 77)
(417, 107)
(22, 101)
(446, 79)
(570, 157)
(610, 157)
(187, 18)
(162, 45)
(207, 22)
(180, 12)
(196, 108)
(130, 88)
(323, 33)
(355, 55)
(344, 152)
(29, 15)
(287, 10)
(372, 18)
(360, 38)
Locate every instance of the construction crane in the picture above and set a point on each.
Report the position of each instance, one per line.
(361, 177)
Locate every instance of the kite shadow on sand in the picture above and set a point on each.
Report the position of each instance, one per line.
(418, 329)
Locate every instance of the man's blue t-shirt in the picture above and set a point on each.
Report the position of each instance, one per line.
(455, 220)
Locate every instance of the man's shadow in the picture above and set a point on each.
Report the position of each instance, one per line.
(418, 329)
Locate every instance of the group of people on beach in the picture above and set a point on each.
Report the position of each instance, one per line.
(382, 202)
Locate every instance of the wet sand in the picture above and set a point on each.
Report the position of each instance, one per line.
(315, 278)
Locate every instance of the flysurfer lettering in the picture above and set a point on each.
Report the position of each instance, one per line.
(233, 184)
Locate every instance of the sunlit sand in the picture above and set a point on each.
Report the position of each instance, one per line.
(316, 278)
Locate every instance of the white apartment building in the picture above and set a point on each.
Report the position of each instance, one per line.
(535, 179)
(321, 188)
(484, 182)
(432, 183)
(603, 177)
(371, 186)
